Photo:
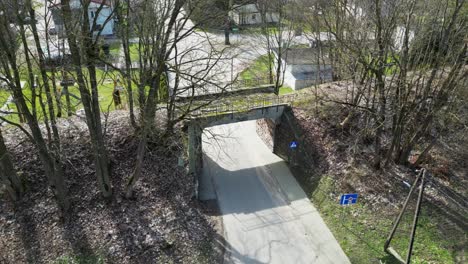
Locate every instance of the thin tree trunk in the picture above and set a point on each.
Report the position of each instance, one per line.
(128, 61)
(67, 101)
(379, 74)
(147, 121)
(56, 180)
(8, 173)
(56, 93)
(45, 79)
(90, 100)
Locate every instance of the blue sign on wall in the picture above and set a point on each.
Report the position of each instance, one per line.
(293, 145)
(350, 198)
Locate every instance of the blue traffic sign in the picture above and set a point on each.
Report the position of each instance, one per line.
(350, 198)
(293, 145)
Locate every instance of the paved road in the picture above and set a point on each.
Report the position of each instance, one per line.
(267, 216)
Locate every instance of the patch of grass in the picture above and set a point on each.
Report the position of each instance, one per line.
(134, 54)
(362, 232)
(91, 259)
(285, 90)
(258, 69)
(114, 48)
(105, 89)
(4, 94)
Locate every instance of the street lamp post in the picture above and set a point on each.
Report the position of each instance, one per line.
(227, 30)
(65, 83)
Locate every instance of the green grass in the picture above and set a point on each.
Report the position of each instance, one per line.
(134, 54)
(4, 94)
(105, 90)
(115, 49)
(258, 69)
(391, 66)
(285, 90)
(92, 259)
(362, 232)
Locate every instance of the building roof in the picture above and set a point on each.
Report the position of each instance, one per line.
(245, 8)
(56, 3)
(303, 56)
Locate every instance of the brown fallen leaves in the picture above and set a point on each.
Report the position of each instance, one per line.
(162, 224)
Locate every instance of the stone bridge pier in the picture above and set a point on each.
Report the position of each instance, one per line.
(196, 126)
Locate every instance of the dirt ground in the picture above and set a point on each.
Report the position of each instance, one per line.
(163, 224)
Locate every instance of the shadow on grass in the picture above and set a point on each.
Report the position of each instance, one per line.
(389, 259)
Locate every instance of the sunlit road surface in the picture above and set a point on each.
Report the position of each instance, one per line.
(267, 216)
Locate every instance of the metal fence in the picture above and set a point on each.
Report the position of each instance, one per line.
(243, 105)
(246, 83)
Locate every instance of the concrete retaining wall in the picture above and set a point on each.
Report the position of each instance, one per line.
(266, 131)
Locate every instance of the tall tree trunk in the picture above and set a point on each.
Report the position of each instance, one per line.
(45, 79)
(67, 93)
(12, 73)
(90, 100)
(149, 113)
(128, 60)
(8, 173)
(53, 173)
(380, 86)
(147, 120)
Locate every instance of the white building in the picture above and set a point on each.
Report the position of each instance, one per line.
(106, 28)
(304, 67)
(248, 14)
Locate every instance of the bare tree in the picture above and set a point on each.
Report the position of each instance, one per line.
(175, 61)
(409, 77)
(13, 43)
(83, 42)
(154, 46)
(123, 14)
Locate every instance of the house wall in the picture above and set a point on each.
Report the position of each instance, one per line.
(306, 75)
(249, 15)
(105, 12)
(101, 19)
(289, 79)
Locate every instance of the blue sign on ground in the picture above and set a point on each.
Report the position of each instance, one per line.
(350, 198)
(293, 145)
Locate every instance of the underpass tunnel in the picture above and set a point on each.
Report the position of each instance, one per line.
(223, 147)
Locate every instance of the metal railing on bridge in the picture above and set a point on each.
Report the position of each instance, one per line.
(246, 83)
(243, 105)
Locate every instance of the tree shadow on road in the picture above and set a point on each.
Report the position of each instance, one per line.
(254, 189)
(225, 251)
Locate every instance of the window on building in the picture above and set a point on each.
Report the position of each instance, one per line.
(92, 14)
(254, 16)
